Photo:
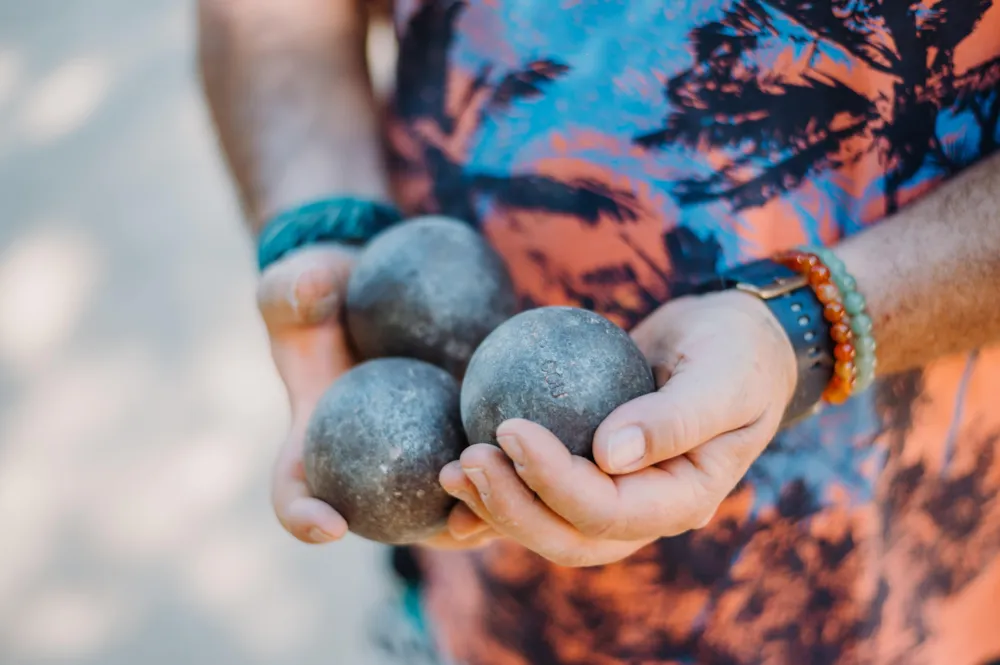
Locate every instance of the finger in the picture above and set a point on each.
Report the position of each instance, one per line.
(484, 479)
(306, 518)
(306, 287)
(446, 541)
(703, 399)
(571, 486)
(464, 524)
(309, 361)
(513, 512)
(513, 509)
(684, 493)
(300, 301)
(456, 483)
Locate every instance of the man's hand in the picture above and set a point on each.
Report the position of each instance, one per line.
(288, 86)
(301, 300)
(664, 462)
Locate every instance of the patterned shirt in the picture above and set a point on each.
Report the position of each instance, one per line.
(609, 147)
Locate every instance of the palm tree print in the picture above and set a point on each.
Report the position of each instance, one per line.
(441, 131)
(444, 133)
(865, 76)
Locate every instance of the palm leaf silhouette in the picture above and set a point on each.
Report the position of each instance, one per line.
(978, 91)
(774, 129)
(423, 89)
(526, 83)
(422, 65)
(589, 200)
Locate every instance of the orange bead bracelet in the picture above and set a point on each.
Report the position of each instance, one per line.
(810, 266)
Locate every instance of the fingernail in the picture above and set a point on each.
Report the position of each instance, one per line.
(512, 446)
(478, 478)
(319, 536)
(627, 447)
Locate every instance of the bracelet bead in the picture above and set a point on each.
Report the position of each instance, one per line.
(844, 352)
(841, 332)
(827, 293)
(854, 303)
(819, 274)
(834, 312)
(849, 284)
(861, 325)
(865, 346)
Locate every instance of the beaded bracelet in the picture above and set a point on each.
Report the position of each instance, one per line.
(860, 322)
(844, 308)
(344, 219)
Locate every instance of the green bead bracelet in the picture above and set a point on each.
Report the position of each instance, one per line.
(856, 308)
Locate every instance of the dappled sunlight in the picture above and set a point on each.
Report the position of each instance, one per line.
(140, 412)
(235, 576)
(155, 504)
(382, 56)
(30, 510)
(65, 100)
(277, 621)
(47, 277)
(227, 569)
(66, 623)
(231, 373)
(11, 66)
(69, 410)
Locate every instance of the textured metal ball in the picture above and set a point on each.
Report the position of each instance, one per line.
(376, 444)
(563, 368)
(431, 288)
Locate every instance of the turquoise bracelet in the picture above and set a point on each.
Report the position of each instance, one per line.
(345, 219)
(856, 308)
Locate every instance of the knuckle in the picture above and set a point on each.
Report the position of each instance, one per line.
(669, 434)
(503, 520)
(599, 526)
(702, 519)
(501, 510)
(316, 296)
(696, 519)
(539, 475)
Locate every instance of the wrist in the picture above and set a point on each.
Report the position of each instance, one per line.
(774, 336)
(345, 220)
(846, 311)
(794, 310)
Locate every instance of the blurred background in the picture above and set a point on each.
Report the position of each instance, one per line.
(139, 411)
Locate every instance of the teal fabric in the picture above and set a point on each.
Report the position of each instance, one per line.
(346, 220)
(413, 608)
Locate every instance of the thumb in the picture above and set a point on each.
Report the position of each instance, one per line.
(300, 299)
(702, 399)
(305, 288)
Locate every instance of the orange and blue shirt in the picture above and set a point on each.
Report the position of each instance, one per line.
(608, 148)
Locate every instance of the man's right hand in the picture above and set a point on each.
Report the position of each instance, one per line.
(301, 301)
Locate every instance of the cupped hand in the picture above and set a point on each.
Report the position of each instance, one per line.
(301, 302)
(663, 462)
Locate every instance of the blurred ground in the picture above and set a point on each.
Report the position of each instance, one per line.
(139, 412)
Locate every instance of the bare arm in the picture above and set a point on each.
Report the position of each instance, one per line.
(931, 274)
(288, 85)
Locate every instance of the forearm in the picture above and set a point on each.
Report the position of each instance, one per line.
(931, 274)
(288, 87)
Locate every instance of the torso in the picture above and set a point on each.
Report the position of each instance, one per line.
(609, 148)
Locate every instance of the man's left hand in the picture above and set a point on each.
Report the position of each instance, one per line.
(664, 462)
